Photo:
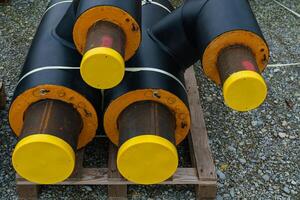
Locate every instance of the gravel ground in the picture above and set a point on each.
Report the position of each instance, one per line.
(256, 153)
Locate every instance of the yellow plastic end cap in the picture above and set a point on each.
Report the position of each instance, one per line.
(43, 159)
(102, 68)
(147, 159)
(244, 90)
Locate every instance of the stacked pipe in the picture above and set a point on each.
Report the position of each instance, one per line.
(57, 107)
(147, 114)
(226, 36)
(54, 111)
(106, 32)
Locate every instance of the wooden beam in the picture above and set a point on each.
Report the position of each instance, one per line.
(115, 192)
(4, 1)
(99, 176)
(2, 95)
(28, 192)
(201, 155)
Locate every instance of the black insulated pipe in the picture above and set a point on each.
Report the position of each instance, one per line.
(153, 84)
(198, 22)
(205, 28)
(50, 88)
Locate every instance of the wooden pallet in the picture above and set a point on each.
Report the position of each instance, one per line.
(201, 174)
(4, 1)
(2, 95)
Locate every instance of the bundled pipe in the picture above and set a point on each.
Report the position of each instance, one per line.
(147, 114)
(53, 111)
(227, 38)
(145, 109)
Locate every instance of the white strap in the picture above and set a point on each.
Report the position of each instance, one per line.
(156, 3)
(44, 68)
(131, 69)
(61, 2)
(138, 69)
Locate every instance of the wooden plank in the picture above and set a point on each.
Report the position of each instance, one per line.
(99, 176)
(201, 155)
(115, 192)
(4, 1)
(202, 191)
(206, 191)
(78, 164)
(28, 192)
(2, 95)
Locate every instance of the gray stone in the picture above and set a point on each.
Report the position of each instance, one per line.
(254, 123)
(293, 182)
(221, 175)
(88, 188)
(242, 160)
(231, 191)
(284, 123)
(266, 177)
(282, 135)
(294, 192)
(231, 148)
(286, 190)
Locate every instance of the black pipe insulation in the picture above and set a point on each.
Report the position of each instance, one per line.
(151, 75)
(65, 27)
(204, 28)
(152, 100)
(197, 23)
(50, 90)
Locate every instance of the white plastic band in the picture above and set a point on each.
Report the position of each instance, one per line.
(45, 68)
(156, 3)
(67, 1)
(131, 69)
(138, 69)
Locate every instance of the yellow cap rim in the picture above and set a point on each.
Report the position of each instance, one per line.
(43, 159)
(147, 159)
(244, 90)
(102, 68)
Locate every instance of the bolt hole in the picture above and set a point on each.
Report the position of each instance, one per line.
(134, 28)
(155, 94)
(183, 125)
(44, 91)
